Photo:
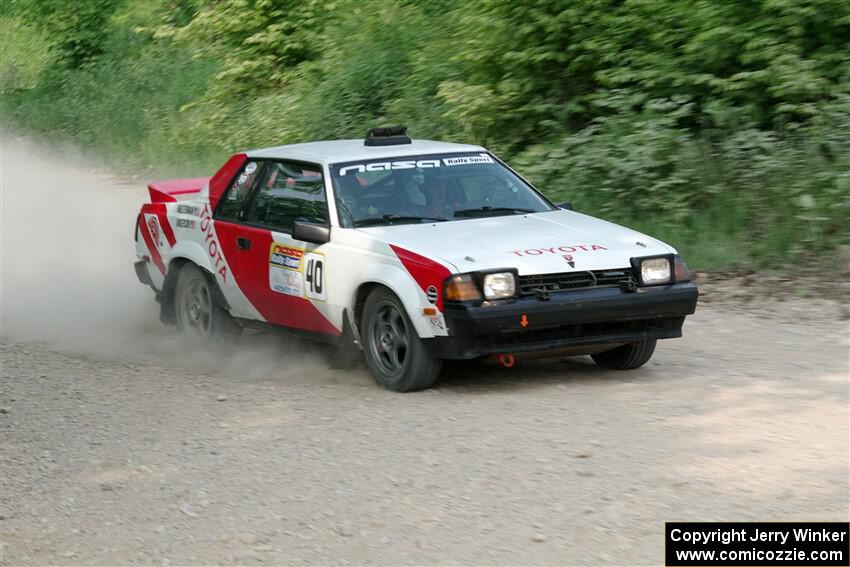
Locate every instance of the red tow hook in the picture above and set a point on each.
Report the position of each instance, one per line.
(507, 360)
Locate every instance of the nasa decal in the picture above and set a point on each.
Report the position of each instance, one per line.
(480, 159)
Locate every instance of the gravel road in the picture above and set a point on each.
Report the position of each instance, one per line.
(118, 449)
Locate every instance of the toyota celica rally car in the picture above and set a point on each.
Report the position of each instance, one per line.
(413, 251)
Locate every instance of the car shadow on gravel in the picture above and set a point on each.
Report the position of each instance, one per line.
(268, 351)
(477, 375)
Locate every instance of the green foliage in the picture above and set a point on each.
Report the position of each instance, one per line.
(124, 103)
(773, 193)
(259, 45)
(79, 28)
(370, 68)
(259, 41)
(722, 127)
(24, 54)
(554, 64)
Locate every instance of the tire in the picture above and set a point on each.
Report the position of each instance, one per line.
(396, 356)
(626, 357)
(199, 315)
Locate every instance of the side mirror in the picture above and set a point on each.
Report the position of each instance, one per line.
(311, 232)
(567, 206)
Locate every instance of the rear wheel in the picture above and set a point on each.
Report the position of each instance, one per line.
(395, 354)
(199, 316)
(626, 357)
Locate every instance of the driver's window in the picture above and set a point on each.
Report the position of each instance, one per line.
(289, 192)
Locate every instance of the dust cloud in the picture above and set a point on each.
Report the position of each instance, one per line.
(67, 251)
(66, 267)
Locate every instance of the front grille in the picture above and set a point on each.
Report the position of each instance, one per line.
(552, 283)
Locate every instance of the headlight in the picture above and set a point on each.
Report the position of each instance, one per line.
(655, 271)
(498, 286)
(461, 288)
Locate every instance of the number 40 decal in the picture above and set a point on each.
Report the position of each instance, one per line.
(314, 275)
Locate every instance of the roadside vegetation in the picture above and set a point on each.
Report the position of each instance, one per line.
(722, 127)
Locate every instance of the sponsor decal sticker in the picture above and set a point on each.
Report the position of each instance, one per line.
(185, 223)
(314, 276)
(432, 294)
(467, 160)
(288, 257)
(415, 164)
(286, 269)
(156, 234)
(187, 210)
(438, 325)
(570, 260)
(559, 250)
(210, 243)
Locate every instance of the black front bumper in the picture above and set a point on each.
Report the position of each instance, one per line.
(598, 316)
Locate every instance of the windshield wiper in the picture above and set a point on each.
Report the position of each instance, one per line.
(391, 219)
(486, 209)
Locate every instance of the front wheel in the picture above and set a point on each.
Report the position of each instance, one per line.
(395, 354)
(626, 357)
(199, 316)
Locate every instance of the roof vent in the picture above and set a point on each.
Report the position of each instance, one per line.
(387, 136)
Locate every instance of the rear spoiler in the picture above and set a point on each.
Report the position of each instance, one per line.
(167, 191)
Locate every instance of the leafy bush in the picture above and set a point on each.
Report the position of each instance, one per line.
(767, 194)
(722, 127)
(25, 54)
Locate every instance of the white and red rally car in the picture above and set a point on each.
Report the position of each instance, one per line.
(414, 251)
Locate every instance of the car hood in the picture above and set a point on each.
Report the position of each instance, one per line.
(535, 243)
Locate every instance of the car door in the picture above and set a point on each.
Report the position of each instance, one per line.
(235, 238)
(285, 279)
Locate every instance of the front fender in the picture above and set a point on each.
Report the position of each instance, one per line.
(400, 282)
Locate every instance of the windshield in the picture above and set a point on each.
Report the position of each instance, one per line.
(430, 188)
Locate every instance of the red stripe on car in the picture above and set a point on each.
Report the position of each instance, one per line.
(425, 271)
(161, 213)
(146, 235)
(251, 270)
(165, 225)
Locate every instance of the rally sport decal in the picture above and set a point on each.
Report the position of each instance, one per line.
(292, 272)
(285, 269)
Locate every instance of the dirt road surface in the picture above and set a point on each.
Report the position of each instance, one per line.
(119, 448)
